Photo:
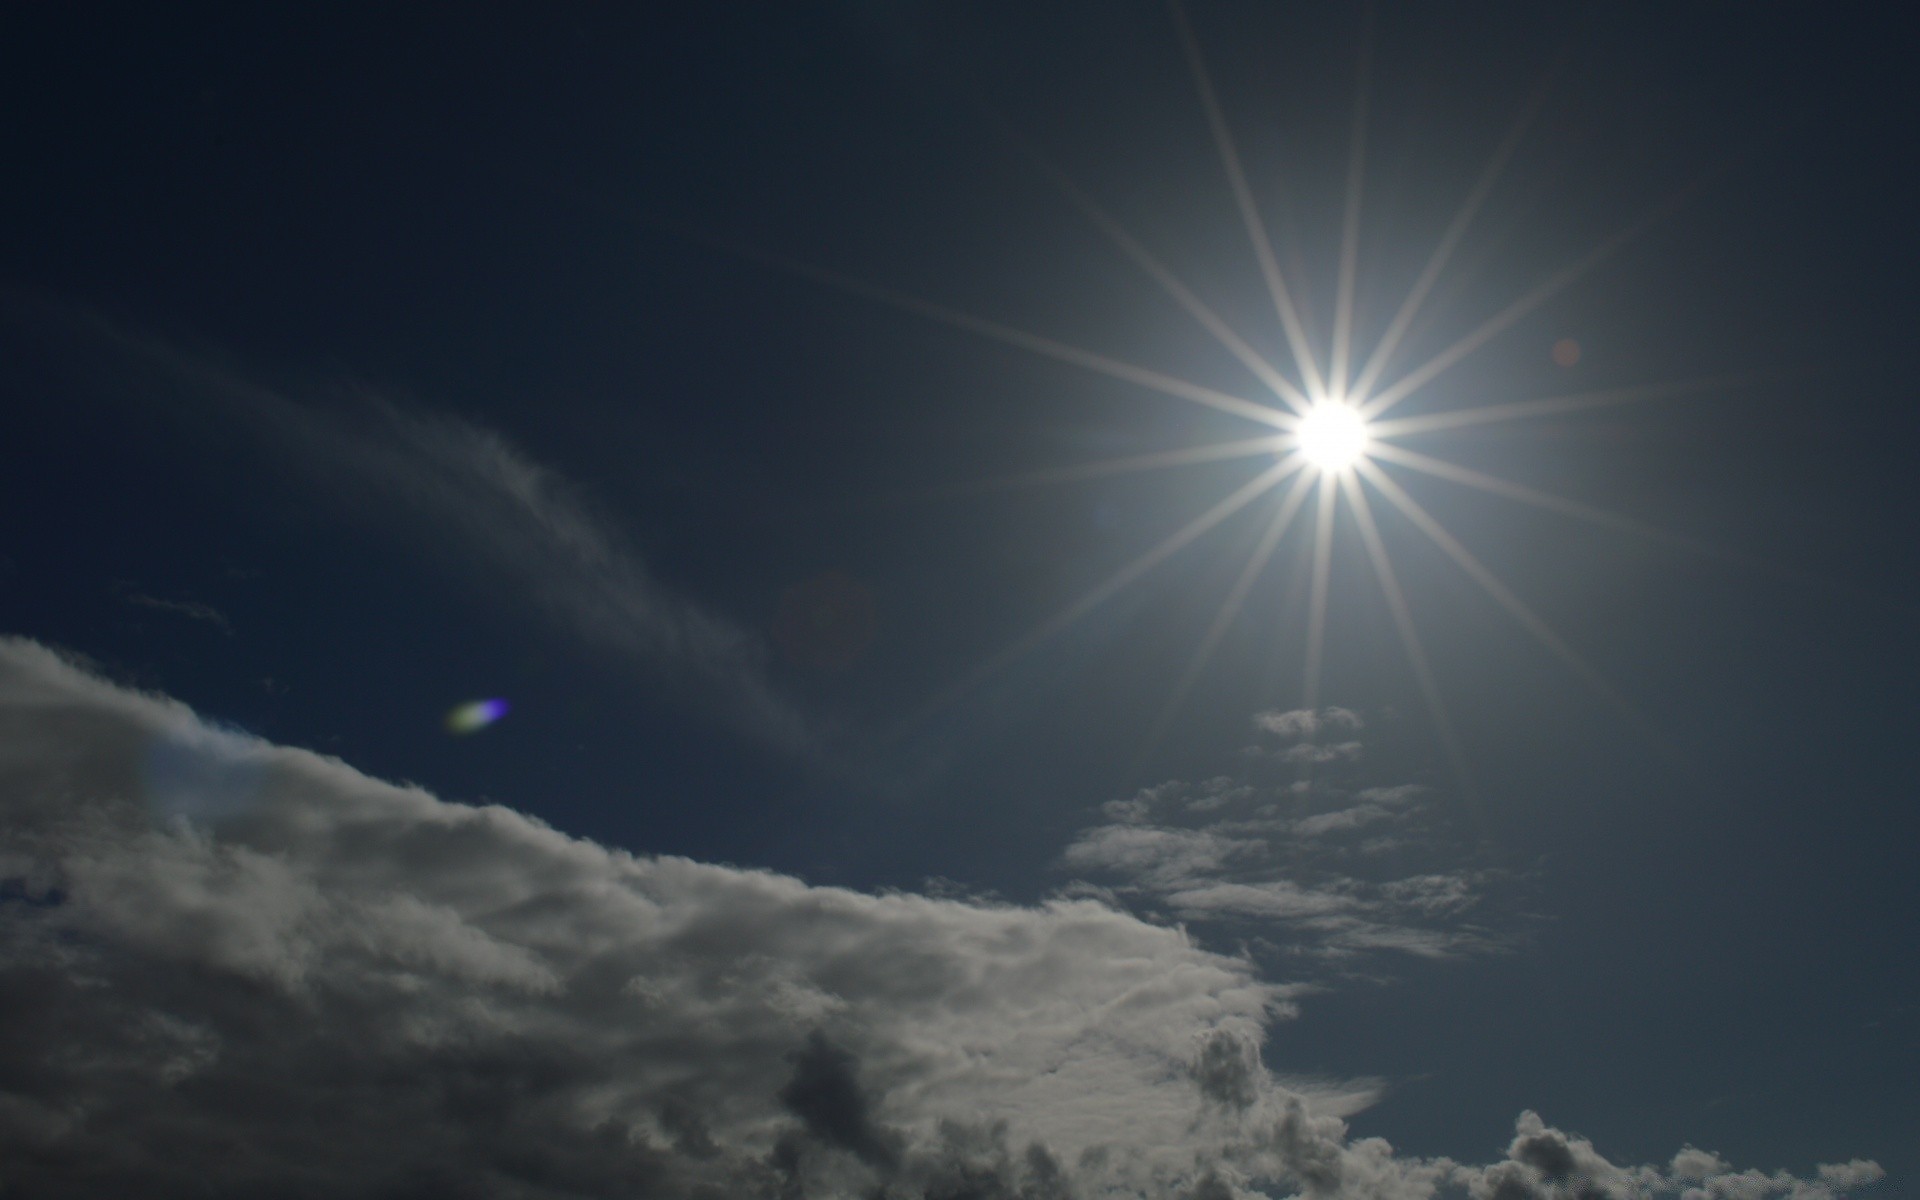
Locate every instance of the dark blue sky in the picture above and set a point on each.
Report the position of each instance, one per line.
(245, 247)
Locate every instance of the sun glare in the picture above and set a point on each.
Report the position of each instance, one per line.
(1334, 443)
(1332, 436)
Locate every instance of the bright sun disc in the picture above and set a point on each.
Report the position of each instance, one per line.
(1332, 436)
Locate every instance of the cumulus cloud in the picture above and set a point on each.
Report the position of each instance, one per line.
(1544, 1163)
(229, 968)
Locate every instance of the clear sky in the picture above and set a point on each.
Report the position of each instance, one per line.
(850, 484)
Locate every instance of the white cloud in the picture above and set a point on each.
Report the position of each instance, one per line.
(1306, 858)
(1309, 752)
(318, 984)
(1697, 1164)
(1275, 899)
(1544, 1163)
(1308, 723)
(1157, 856)
(1340, 820)
(1846, 1176)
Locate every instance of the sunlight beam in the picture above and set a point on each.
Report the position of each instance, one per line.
(1467, 477)
(1550, 406)
(1046, 347)
(1317, 603)
(1504, 596)
(1128, 464)
(1449, 242)
(1503, 320)
(1283, 519)
(1232, 503)
(1171, 284)
(1545, 290)
(1249, 211)
(1403, 621)
(1350, 223)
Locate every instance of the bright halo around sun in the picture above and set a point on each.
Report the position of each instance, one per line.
(1333, 441)
(1332, 436)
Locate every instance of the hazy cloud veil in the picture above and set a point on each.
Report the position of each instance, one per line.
(230, 968)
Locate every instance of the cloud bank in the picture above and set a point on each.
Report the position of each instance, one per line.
(230, 969)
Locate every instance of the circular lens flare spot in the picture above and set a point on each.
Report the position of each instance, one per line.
(1332, 436)
(475, 715)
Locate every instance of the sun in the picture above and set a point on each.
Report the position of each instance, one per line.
(1332, 436)
(1321, 420)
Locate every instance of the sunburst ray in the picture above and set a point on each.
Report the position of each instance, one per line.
(1350, 223)
(1171, 284)
(1403, 622)
(1317, 598)
(1232, 503)
(1554, 406)
(1503, 320)
(1467, 477)
(1256, 565)
(1124, 465)
(1449, 242)
(1504, 596)
(1542, 292)
(1243, 199)
(1034, 343)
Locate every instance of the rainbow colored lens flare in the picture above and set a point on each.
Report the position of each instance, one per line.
(475, 715)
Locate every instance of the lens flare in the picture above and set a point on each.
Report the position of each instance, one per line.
(1332, 436)
(475, 715)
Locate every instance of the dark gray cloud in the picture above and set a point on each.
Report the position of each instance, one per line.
(1548, 1153)
(828, 1099)
(319, 984)
(1228, 1070)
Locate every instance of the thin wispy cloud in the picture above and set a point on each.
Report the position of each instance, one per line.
(531, 526)
(457, 487)
(1298, 848)
(192, 610)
